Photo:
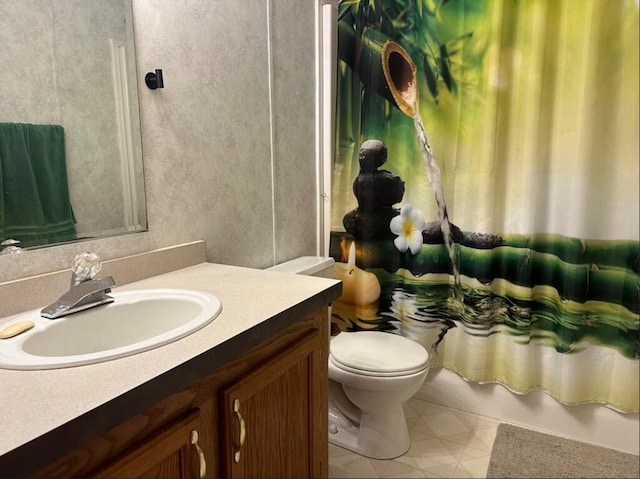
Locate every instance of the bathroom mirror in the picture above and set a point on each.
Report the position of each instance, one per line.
(69, 100)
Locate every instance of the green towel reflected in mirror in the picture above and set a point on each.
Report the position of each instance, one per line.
(34, 190)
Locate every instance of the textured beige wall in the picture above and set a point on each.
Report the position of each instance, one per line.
(211, 171)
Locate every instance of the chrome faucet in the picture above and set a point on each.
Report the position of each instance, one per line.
(84, 292)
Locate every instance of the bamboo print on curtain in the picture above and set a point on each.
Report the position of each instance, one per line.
(485, 188)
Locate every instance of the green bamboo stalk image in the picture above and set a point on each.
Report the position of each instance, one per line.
(623, 254)
(382, 65)
(520, 266)
(619, 253)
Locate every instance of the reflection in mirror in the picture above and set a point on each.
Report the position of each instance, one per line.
(70, 146)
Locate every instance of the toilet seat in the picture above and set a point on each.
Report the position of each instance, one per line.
(374, 353)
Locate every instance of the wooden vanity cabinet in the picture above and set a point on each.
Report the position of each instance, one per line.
(269, 418)
(263, 414)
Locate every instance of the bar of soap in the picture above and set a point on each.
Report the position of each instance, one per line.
(15, 329)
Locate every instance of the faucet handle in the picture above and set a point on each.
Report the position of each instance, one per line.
(85, 266)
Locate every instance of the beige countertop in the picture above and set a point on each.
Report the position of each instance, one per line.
(47, 405)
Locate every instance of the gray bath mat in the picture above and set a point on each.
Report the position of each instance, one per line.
(519, 452)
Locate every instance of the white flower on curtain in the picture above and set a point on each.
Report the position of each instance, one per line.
(408, 225)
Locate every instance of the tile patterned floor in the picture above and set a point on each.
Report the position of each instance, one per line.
(445, 442)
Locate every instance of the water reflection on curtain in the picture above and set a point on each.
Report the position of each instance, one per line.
(530, 109)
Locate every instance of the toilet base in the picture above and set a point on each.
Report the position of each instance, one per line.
(383, 435)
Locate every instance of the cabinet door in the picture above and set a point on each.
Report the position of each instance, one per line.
(268, 417)
(172, 452)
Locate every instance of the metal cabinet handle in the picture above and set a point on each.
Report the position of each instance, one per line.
(201, 460)
(243, 430)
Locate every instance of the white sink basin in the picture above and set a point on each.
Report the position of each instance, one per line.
(136, 321)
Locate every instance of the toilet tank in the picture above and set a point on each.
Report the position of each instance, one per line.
(321, 266)
(307, 265)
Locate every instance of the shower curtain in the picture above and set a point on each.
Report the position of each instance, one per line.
(485, 197)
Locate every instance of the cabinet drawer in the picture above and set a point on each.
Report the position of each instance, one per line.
(173, 451)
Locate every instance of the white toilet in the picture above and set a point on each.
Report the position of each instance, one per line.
(371, 375)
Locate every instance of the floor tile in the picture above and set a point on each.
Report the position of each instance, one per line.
(335, 451)
(420, 431)
(445, 443)
(417, 406)
(487, 436)
(431, 453)
(461, 472)
(486, 423)
(408, 460)
(469, 454)
(380, 465)
(461, 438)
(480, 444)
(416, 473)
(466, 418)
(352, 465)
(445, 423)
(412, 421)
(446, 470)
(476, 467)
(396, 468)
(432, 408)
(454, 448)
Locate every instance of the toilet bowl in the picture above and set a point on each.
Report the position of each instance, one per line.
(371, 375)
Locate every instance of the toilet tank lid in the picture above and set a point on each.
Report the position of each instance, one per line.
(307, 265)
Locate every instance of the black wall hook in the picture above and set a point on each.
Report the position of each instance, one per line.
(154, 80)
